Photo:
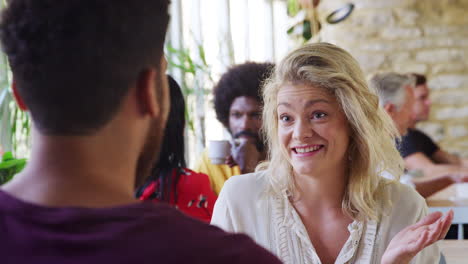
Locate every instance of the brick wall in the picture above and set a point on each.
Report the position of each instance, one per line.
(429, 37)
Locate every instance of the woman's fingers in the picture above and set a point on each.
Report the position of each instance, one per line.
(435, 231)
(419, 243)
(439, 229)
(447, 221)
(429, 219)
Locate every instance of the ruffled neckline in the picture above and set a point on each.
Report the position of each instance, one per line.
(288, 222)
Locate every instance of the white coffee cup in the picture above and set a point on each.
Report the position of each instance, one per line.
(218, 150)
(462, 190)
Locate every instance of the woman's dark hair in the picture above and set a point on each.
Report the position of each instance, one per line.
(172, 149)
(241, 80)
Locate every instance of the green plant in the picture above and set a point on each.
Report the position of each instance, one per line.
(14, 123)
(10, 166)
(304, 23)
(195, 78)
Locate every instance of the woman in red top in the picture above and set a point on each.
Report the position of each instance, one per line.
(170, 180)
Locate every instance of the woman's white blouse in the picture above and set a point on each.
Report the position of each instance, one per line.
(244, 207)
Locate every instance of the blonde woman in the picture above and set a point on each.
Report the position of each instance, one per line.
(320, 199)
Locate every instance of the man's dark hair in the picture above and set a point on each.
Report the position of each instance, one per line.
(172, 150)
(240, 80)
(74, 61)
(420, 78)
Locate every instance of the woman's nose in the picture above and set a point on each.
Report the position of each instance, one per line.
(302, 130)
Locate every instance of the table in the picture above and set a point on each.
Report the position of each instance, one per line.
(443, 201)
(455, 251)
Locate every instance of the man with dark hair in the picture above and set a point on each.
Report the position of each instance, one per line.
(238, 105)
(92, 75)
(418, 149)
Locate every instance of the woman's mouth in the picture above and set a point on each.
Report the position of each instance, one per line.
(307, 150)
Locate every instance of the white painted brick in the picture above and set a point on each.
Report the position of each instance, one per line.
(412, 44)
(401, 33)
(345, 34)
(377, 46)
(437, 31)
(399, 58)
(458, 131)
(434, 130)
(406, 17)
(448, 81)
(454, 150)
(384, 18)
(429, 37)
(463, 143)
(448, 67)
(452, 113)
(370, 61)
(451, 98)
(382, 4)
(438, 55)
(448, 41)
(410, 67)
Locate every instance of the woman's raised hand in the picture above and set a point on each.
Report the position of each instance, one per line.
(411, 240)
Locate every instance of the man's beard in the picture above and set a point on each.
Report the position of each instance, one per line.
(150, 153)
(259, 143)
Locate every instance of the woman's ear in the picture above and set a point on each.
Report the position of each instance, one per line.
(18, 99)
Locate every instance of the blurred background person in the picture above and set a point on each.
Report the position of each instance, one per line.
(419, 151)
(238, 105)
(396, 96)
(171, 181)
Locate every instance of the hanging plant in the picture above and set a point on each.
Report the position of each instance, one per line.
(304, 22)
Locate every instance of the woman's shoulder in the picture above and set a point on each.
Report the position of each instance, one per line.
(245, 187)
(405, 201)
(405, 192)
(252, 182)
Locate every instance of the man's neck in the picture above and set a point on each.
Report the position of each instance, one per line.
(76, 171)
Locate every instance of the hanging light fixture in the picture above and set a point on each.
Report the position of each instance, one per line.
(340, 14)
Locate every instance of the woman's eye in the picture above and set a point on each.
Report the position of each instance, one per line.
(319, 115)
(285, 118)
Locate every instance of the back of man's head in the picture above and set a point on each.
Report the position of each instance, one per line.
(391, 87)
(74, 61)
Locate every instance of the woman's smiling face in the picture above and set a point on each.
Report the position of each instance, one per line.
(312, 128)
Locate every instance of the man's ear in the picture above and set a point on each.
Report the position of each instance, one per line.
(18, 99)
(390, 109)
(146, 92)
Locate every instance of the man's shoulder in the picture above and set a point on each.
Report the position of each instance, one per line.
(417, 133)
(203, 243)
